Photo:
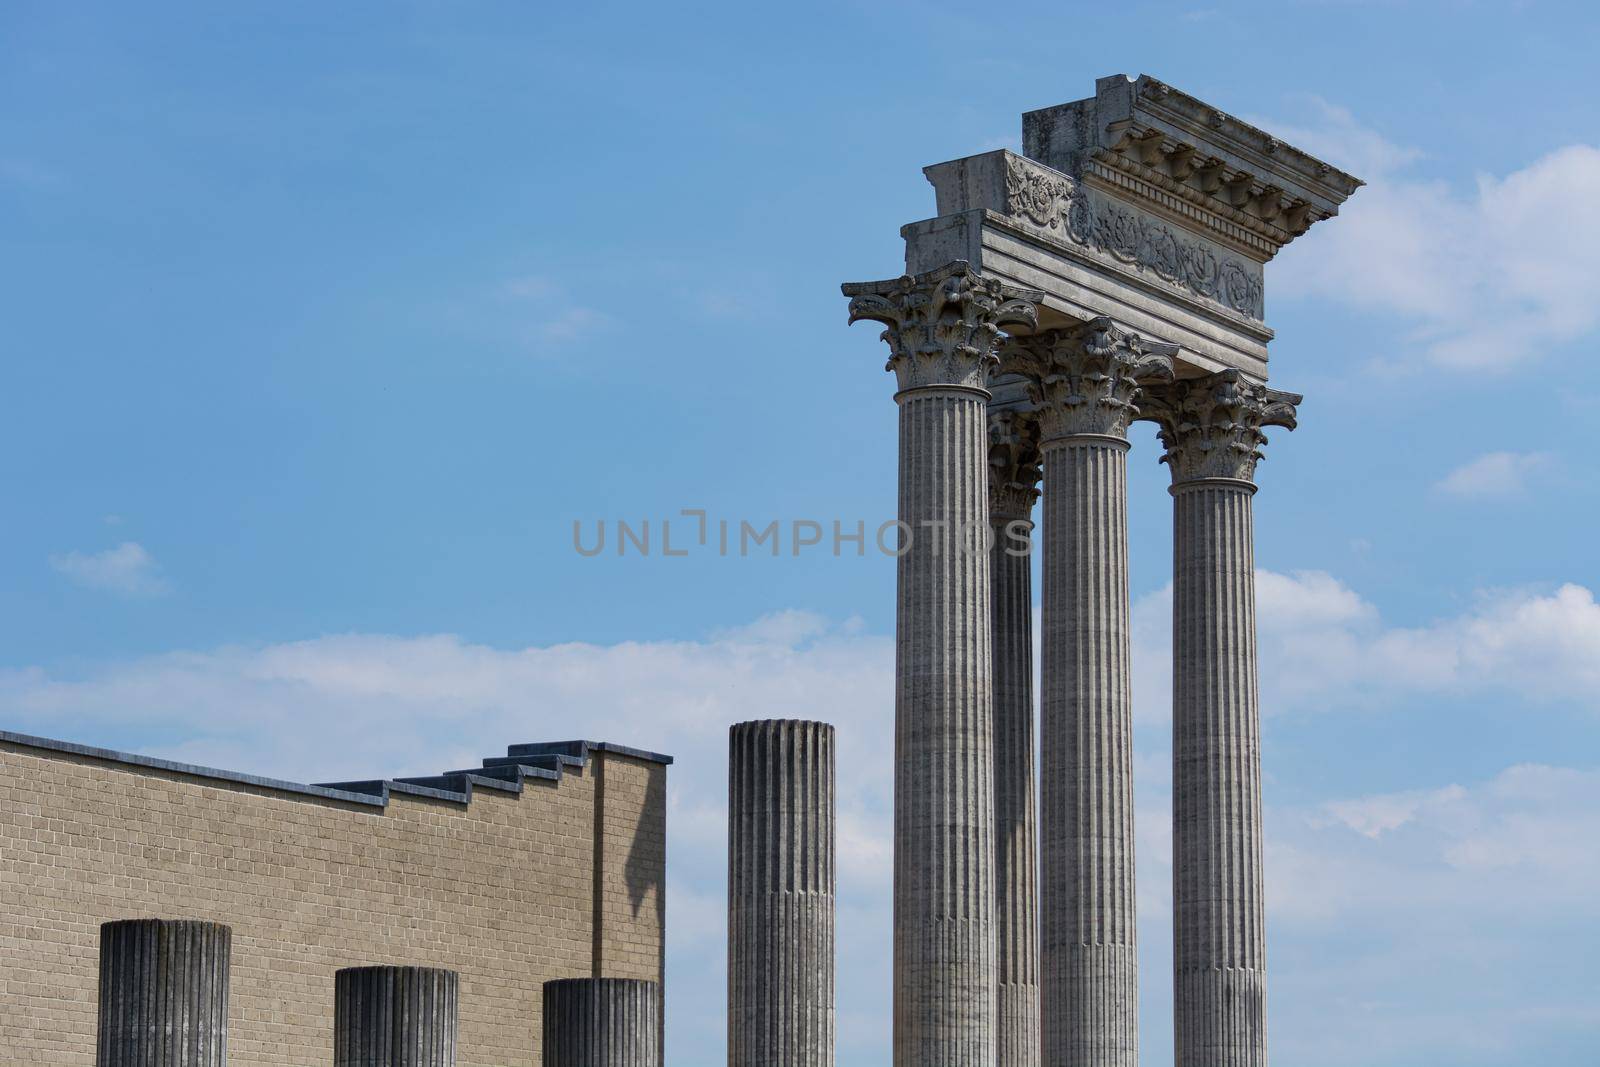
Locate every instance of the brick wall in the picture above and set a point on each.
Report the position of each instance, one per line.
(564, 879)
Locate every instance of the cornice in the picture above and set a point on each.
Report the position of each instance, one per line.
(1161, 148)
(1255, 146)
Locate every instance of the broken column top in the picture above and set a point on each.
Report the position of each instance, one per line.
(1141, 138)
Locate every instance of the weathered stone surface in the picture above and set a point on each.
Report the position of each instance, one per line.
(942, 328)
(1014, 473)
(1139, 212)
(781, 886)
(163, 993)
(1153, 143)
(1211, 428)
(602, 1022)
(1087, 381)
(1140, 203)
(394, 1017)
(1071, 213)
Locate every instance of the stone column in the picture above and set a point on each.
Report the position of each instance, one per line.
(1086, 384)
(394, 1017)
(1014, 474)
(942, 328)
(780, 894)
(602, 1022)
(1211, 428)
(163, 993)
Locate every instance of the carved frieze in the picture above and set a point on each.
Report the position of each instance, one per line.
(1071, 211)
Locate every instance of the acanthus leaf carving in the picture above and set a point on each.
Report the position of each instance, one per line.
(1015, 465)
(1087, 378)
(942, 327)
(1211, 426)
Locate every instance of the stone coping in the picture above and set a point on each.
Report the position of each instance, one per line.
(540, 760)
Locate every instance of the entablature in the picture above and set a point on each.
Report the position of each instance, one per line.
(1141, 139)
(1140, 204)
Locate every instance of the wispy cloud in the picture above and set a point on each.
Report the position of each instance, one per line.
(27, 173)
(127, 569)
(1495, 474)
(551, 313)
(359, 705)
(1325, 647)
(1484, 278)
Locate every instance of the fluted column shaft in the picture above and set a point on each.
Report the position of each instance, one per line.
(602, 1022)
(1090, 950)
(944, 803)
(942, 329)
(1014, 475)
(781, 887)
(163, 993)
(1219, 928)
(1086, 382)
(394, 1017)
(1211, 427)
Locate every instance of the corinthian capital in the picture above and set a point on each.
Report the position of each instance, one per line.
(942, 327)
(1087, 378)
(1211, 426)
(1014, 464)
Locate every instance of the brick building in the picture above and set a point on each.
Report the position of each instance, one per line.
(546, 863)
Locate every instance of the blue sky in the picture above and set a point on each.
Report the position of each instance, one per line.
(323, 323)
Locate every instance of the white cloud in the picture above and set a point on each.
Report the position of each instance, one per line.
(1417, 922)
(1375, 816)
(1325, 647)
(1493, 474)
(362, 705)
(1486, 279)
(127, 569)
(1409, 927)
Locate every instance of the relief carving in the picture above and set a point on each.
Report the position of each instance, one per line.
(1056, 203)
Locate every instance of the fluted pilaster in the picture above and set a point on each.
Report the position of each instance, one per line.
(163, 993)
(1211, 428)
(1014, 474)
(942, 328)
(394, 1017)
(781, 886)
(602, 1022)
(1086, 383)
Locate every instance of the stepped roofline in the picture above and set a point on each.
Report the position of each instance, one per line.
(506, 774)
